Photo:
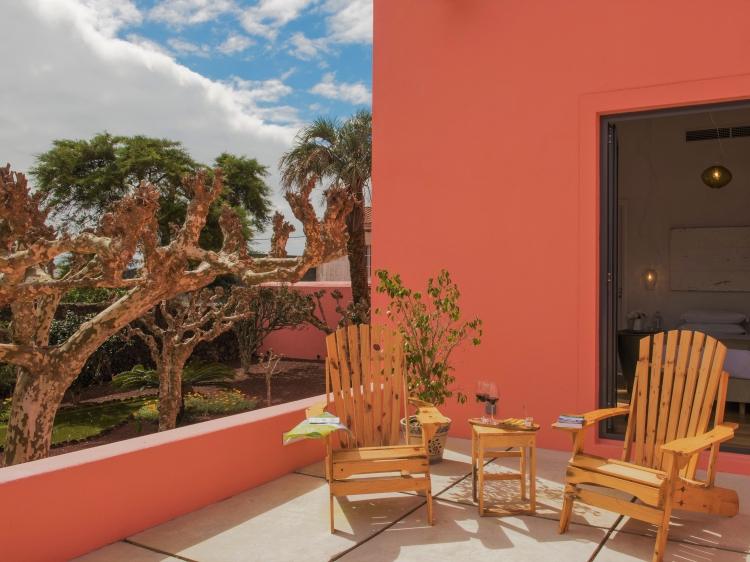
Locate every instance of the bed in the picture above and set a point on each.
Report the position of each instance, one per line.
(737, 364)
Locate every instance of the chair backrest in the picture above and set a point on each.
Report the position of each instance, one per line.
(366, 381)
(676, 400)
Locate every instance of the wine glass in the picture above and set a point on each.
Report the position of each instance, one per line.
(481, 392)
(493, 395)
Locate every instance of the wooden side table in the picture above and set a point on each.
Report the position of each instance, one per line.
(485, 442)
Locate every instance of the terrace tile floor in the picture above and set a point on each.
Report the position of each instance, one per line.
(287, 520)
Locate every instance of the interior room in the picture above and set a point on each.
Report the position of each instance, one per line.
(683, 242)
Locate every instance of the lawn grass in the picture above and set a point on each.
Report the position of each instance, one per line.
(81, 423)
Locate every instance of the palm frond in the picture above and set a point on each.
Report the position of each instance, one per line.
(203, 373)
(137, 378)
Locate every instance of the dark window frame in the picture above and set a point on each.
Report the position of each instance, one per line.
(608, 301)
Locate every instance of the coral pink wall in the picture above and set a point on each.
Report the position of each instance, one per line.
(309, 342)
(62, 507)
(501, 188)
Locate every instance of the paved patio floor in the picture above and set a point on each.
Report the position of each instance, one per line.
(287, 520)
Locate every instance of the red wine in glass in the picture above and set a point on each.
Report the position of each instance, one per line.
(493, 395)
(481, 393)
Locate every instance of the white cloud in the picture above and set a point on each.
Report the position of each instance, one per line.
(268, 16)
(107, 16)
(234, 44)
(182, 47)
(188, 12)
(305, 48)
(351, 21)
(353, 93)
(74, 78)
(148, 44)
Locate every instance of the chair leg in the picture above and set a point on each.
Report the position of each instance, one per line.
(567, 510)
(332, 527)
(430, 517)
(661, 535)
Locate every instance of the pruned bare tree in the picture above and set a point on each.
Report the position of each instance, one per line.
(316, 315)
(98, 258)
(180, 326)
(272, 308)
(281, 231)
(269, 370)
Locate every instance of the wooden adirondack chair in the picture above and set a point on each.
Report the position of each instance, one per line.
(366, 384)
(667, 431)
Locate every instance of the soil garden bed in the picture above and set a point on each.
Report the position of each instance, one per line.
(106, 416)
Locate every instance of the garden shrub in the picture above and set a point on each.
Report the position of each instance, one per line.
(8, 378)
(210, 403)
(149, 411)
(218, 402)
(5, 410)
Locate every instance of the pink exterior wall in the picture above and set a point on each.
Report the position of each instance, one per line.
(309, 342)
(502, 187)
(62, 507)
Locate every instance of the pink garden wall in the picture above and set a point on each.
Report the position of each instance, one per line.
(501, 187)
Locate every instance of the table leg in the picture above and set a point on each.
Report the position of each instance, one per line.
(480, 468)
(523, 472)
(532, 475)
(473, 465)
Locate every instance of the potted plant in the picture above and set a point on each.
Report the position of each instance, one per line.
(432, 328)
(637, 316)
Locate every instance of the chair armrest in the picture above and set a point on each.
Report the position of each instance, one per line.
(429, 417)
(688, 446)
(596, 416)
(315, 410)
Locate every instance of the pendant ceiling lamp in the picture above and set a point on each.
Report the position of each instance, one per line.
(716, 176)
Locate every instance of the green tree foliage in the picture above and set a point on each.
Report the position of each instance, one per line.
(244, 186)
(433, 330)
(80, 178)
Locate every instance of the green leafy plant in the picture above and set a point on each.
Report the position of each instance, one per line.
(432, 328)
(197, 373)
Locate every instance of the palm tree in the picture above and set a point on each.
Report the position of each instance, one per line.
(339, 153)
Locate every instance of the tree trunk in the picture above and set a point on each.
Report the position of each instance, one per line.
(268, 388)
(35, 402)
(246, 342)
(356, 248)
(170, 393)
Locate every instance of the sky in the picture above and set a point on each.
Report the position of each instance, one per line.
(218, 75)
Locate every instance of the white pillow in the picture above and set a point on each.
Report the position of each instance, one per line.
(713, 317)
(729, 329)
